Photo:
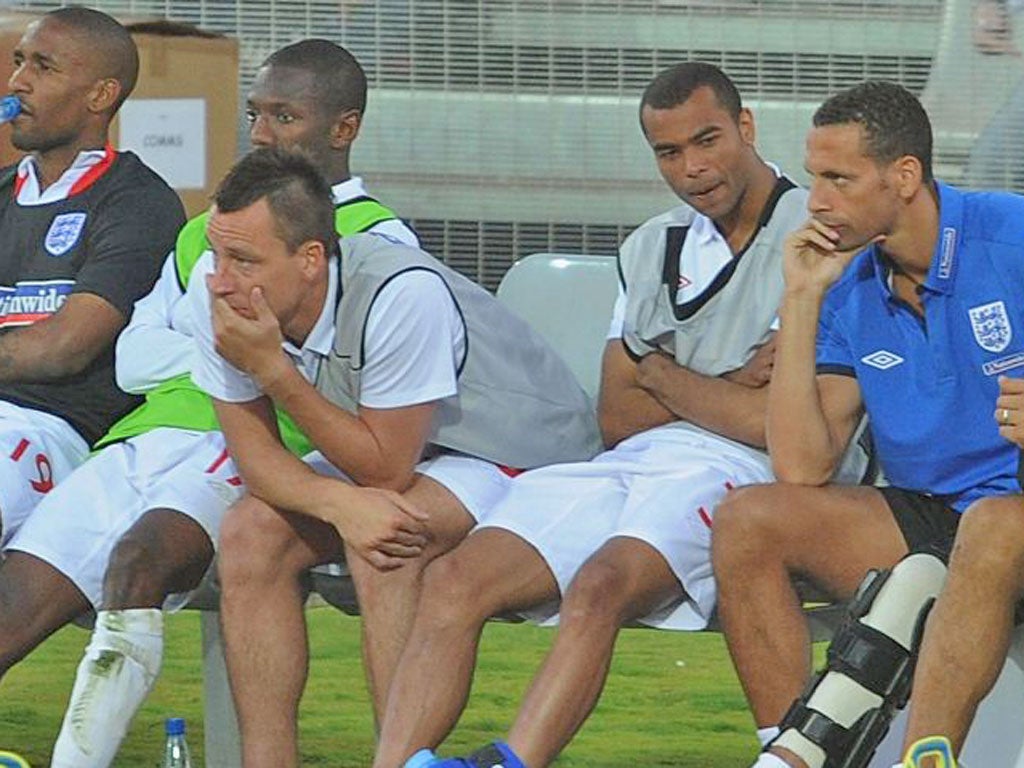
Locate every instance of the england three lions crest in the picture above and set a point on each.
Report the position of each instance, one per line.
(64, 232)
(991, 326)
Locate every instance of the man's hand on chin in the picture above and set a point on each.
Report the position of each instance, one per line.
(249, 339)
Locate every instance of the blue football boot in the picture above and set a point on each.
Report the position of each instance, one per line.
(426, 759)
(495, 755)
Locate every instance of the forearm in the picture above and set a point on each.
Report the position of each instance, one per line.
(632, 410)
(716, 404)
(273, 474)
(270, 472)
(343, 437)
(63, 344)
(798, 435)
(35, 354)
(286, 483)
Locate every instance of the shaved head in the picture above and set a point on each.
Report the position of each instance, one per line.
(112, 52)
(339, 83)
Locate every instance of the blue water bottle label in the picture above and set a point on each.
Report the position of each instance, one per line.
(10, 108)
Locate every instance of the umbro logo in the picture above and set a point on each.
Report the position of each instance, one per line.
(883, 359)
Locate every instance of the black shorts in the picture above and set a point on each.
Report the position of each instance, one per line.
(927, 523)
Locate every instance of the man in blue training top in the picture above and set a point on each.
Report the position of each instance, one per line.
(903, 299)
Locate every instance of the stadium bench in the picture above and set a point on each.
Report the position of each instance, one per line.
(568, 300)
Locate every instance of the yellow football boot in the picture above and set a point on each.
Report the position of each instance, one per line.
(930, 752)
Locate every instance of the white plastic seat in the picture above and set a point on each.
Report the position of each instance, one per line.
(568, 299)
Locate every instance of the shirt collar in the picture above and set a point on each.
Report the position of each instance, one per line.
(941, 275)
(72, 180)
(321, 337)
(348, 190)
(705, 232)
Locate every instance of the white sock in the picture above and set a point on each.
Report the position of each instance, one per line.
(768, 760)
(767, 734)
(120, 665)
(422, 758)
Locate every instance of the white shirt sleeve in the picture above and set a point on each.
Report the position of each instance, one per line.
(211, 372)
(415, 342)
(618, 315)
(156, 345)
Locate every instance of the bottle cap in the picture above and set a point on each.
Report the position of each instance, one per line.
(175, 726)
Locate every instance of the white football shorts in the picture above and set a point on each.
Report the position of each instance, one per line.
(40, 451)
(660, 486)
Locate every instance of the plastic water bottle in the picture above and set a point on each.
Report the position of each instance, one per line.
(10, 108)
(176, 749)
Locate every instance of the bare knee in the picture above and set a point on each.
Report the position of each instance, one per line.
(135, 574)
(598, 595)
(163, 553)
(451, 597)
(746, 524)
(990, 539)
(257, 544)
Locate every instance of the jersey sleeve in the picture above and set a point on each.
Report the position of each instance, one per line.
(618, 316)
(415, 343)
(151, 350)
(211, 372)
(833, 350)
(127, 241)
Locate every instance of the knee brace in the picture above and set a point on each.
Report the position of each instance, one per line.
(846, 710)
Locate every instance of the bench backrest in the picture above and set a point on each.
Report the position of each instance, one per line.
(568, 299)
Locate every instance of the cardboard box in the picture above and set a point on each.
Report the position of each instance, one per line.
(182, 116)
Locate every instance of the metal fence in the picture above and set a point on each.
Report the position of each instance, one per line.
(506, 127)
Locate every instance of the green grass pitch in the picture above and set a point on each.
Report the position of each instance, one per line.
(672, 699)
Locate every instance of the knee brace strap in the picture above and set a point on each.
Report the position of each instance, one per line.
(871, 659)
(818, 728)
(843, 747)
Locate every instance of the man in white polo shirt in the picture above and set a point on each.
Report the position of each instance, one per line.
(426, 389)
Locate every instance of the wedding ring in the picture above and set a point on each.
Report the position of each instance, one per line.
(1004, 416)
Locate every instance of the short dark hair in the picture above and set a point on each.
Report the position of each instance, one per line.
(298, 196)
(111, 44)
(894, 122)
(339, 82)
(673, 86)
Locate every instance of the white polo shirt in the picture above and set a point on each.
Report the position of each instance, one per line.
(415, 339)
